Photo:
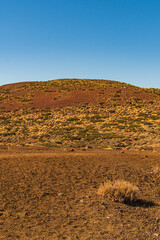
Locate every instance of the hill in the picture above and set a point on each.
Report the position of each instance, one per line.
(59, 145)
(80, 113)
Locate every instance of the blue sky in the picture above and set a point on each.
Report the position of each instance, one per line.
(100, 39)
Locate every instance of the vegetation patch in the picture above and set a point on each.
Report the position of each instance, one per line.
(119, 191)
(104, 112)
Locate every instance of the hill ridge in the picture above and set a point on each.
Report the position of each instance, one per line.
(78, 113)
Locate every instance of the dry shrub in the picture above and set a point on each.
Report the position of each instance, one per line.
(119, 191)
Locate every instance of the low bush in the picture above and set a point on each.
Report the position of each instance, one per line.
(119, 191)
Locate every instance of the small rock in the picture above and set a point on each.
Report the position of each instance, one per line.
(81, 201)
(88, 196)
(60, 194)
(103, 206)
(156, 234)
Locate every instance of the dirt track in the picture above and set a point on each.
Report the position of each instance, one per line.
(52, 194)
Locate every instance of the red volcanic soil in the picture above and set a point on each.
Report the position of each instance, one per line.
(70, 92)
(52, 194)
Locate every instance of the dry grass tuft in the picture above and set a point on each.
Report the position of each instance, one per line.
(119, 191)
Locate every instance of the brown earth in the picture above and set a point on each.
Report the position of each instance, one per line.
(52, 194)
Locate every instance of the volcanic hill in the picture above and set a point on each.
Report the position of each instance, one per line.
(59, 148)
(80, 113)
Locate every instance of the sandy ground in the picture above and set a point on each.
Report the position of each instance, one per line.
(52, 194)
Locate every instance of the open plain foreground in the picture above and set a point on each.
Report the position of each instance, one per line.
(51, 193)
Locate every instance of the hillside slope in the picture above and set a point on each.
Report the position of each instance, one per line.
(80, 113)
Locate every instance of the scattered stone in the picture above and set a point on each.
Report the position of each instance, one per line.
(60, 194)
(156, 234)
(81, 201)
(103, 206)
(87, 196)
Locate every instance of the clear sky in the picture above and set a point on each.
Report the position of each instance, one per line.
(100, 39)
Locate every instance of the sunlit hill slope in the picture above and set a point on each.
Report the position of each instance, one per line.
(80, 113)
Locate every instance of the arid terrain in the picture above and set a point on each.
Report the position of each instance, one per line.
(52, 194)
(80, 113)
(59, 141)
